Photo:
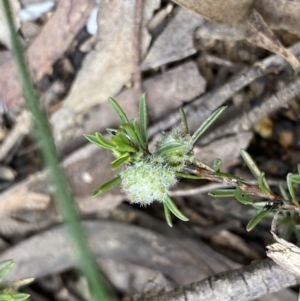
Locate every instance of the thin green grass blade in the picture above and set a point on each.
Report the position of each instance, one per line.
(184, 121)
(107, 186)
(168, 215)
(143, 118)
(173, 208)
(118, 110)
(207, 123)
(63, 197)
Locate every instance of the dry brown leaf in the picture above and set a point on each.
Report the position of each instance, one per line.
(109, 67)
(241, 13)
(285, 254)
(280, 14)
(261, 35)
(231, 12)
(69, 17)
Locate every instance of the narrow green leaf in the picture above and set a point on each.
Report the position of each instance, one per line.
(107, 186)
(291, 188)
(256, 219)
(137, 130)
(217, 164)
(168, 215)
(118, 110)
(170, 148)
(184, 121)
(262, 183)
(5, 268)
(122, 143)
(207, 123)
(254, 168)
(119, 161)
(131, 133)
(283, 193)
(143, 118)
(126, 148)
(295, 178)
(174, 209)
(242, 197)
(100, 140)
(222, 193)
(92, 138)
(298, 168)
(13, 297)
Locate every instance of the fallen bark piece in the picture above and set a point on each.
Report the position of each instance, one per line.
(106, 69)
(84, 168)
(50, 252)
(280, 14)
(69, 17)
(231, 12)
(261, 35)
(109, 67)
(285, 254)
(242, 15)
(175, 42)
(247, 283)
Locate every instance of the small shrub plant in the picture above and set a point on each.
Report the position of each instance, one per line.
(148, 176)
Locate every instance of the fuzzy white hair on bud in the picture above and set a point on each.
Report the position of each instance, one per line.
(147, 181)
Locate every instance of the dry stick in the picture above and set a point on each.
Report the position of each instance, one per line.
(20, 129)
(249, 119)
(243, 284)
(138, 12)
(202, 107)
(209, 187)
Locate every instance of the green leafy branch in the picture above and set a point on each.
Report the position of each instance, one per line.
(147, 177)
(9, 290)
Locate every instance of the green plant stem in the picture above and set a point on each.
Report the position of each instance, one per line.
(242, 184)
(63, 197)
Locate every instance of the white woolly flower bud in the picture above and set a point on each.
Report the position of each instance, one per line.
(147, 181)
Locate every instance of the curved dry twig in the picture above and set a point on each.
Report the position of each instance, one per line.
(243, 284)
(249, 119)
(201, 108)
